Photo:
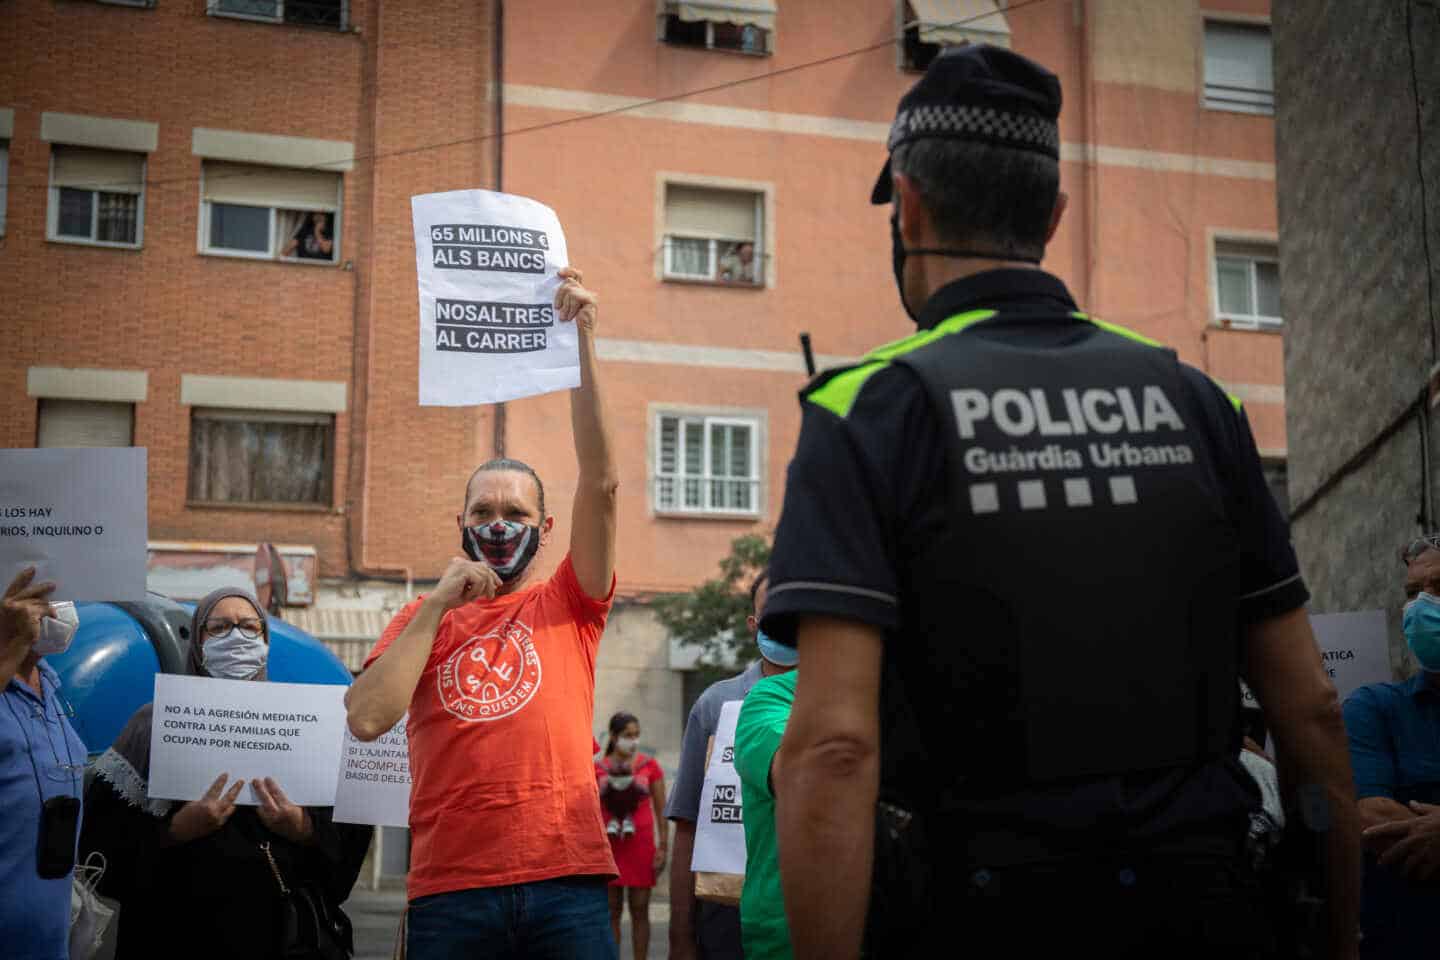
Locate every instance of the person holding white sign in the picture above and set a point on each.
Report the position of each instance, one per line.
(199, 879)
(41, 765)
(509, 855)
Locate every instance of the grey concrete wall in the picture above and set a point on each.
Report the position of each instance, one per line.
(1358, 344)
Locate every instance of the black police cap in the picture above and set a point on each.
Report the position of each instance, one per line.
(982, 93)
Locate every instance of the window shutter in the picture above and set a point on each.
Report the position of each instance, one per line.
(259, 186)
(709, 213)
(85, 423)
(756, 13)
(107, 170)
(959, 21)
(1238, 64)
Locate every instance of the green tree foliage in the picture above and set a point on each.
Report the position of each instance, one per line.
(712, 616)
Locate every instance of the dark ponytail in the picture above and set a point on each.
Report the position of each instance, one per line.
(618, 723)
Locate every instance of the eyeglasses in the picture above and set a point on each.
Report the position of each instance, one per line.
(1418, 546)
(249, 628)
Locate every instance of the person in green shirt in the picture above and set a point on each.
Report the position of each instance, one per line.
(763, 930)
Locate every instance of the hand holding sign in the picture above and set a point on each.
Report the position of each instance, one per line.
(200, 818)
(25, 602)
(279, 814)
(575, 303)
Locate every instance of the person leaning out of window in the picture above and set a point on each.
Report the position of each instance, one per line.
(41, 764)
(314, 239)
(198, 879)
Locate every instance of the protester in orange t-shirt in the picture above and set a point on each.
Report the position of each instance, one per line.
(509, 855)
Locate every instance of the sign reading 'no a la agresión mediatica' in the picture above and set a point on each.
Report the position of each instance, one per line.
(487, 266)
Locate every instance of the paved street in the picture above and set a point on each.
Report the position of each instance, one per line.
(376, 914)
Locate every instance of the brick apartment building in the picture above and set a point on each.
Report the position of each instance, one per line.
(158, 157)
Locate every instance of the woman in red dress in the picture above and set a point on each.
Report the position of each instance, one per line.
(632, 797)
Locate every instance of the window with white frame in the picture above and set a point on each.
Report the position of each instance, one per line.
(713, 235)
(96, 196)
(270, 213)
(741, 26)
(260, 456)
(929, 26)
(1239, 75)
(305, 13)
(1247, 285)
(707, 464)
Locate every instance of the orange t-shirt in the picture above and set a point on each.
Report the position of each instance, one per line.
(503, 787)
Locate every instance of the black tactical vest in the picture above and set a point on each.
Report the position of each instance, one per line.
(1077, 618)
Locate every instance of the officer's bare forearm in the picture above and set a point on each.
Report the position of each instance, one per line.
(380, 696)
(682, 888)
(825, 812)
(1284, 668)
(825, 789)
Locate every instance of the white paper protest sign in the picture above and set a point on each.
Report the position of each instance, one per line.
(374, 785)
(1355, 648)
(203, 727)
(79, 517)
(487, 266)
(720, 834)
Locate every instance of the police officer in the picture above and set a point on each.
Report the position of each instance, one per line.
(1025, 555)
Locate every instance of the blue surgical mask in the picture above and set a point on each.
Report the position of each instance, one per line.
(1422, 630)
(777, 653)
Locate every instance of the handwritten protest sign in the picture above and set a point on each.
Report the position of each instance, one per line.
(487, 266)
(79, 517)
(204, 727)
(720, 834)
(374, 784)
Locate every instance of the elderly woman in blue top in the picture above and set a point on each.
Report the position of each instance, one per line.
(42, 765)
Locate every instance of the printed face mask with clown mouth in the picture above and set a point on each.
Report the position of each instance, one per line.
(507, 546)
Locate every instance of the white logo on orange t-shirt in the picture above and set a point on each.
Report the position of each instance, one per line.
(491, 676)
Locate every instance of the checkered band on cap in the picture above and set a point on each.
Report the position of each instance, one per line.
(981, 123)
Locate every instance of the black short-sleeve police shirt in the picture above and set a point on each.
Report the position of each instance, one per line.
(865, 494)
(865, 488)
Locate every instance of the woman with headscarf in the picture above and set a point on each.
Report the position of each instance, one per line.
(195, 879)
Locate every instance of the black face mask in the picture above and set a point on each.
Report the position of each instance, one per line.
(898, 254)
(507, 546)
(897, 262)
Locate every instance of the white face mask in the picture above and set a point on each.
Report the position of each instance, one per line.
(57, 629)
(234, 656)
(627, 744)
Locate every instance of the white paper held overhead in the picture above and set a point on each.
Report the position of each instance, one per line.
(486, 264)
(79, 517)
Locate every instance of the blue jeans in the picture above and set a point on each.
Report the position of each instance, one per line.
(567, 918)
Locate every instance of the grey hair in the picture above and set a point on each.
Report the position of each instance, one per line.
(505, 463)
(981, 196)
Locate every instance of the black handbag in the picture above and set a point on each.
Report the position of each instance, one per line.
(310, 928)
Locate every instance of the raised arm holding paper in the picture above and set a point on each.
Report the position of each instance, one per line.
(497, 670)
